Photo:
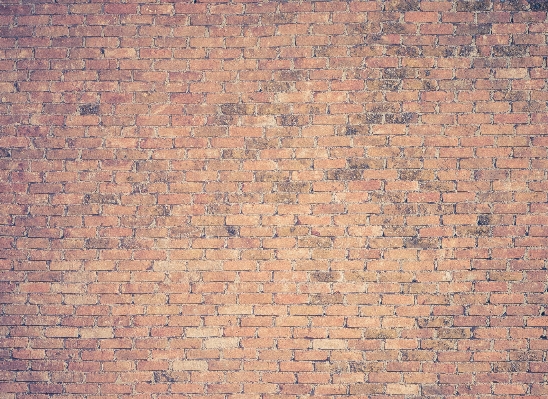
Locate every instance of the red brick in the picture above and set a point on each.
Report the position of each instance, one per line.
(248, 203)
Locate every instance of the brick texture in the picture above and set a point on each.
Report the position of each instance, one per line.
(240, 199)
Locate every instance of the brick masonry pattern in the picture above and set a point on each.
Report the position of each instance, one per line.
(240, 199)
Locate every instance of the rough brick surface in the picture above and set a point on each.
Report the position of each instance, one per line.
(235, 199)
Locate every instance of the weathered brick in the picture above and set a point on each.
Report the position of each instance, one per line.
(331, 198)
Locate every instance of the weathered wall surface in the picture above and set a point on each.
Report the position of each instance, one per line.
(273, 200)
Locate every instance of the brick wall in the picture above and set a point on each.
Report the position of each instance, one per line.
(273, 200)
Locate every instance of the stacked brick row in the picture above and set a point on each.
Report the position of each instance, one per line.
(240, 199)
